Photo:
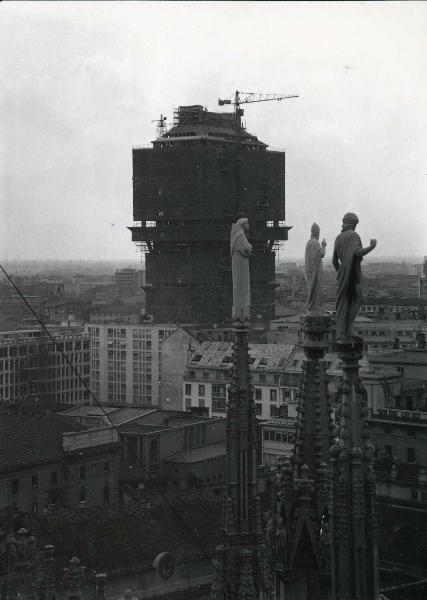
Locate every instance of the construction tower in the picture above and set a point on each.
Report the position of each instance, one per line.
(184, 201)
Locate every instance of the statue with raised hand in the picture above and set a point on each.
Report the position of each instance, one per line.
(347, 258)
(240, 252)
(314, 253)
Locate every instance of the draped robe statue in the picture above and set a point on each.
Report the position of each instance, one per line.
(314, 252)
(240, 251)
(348, 255)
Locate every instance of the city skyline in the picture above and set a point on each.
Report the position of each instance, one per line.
(85, 83)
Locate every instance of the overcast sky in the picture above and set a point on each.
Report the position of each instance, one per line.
(82, 82)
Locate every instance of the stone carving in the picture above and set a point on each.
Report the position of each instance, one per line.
(348, 254)
(240, 251)
(314, 252)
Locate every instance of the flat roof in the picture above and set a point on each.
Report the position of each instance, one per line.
(192, 455)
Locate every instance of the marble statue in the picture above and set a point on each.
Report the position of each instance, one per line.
(314, 252)
(348, 254)
(240, 251)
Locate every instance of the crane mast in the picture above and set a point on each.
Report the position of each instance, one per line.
(239, 99)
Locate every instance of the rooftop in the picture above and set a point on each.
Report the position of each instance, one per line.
(195, 123)
(32, 439)
(158, 420)
(261, 356)
(409, 355)
(193, 455)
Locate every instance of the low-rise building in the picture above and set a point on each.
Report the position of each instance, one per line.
(180, 448)
(46, 459)
(208, 374)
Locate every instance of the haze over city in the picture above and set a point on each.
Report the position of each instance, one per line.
(84, 82)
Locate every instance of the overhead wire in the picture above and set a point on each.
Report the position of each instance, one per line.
(206, 553)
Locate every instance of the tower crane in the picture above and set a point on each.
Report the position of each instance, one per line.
(239, 99)
(250, 97)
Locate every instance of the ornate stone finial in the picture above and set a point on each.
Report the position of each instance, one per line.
(74, 577)
(100, 581)
(347, 258)
(314, 252)
(240, 250)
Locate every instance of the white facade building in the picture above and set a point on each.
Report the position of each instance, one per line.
(208, 374)
(126, 362)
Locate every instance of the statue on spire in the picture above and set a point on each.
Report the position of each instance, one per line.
(314, 252)
(347, 258)
(240, 252)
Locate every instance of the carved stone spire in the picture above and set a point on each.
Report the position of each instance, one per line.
(241, 571)
(302, 510)
(353, 523)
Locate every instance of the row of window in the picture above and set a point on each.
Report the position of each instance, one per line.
(15, 484)
(278, 436)
(219, 391)
(410, 453)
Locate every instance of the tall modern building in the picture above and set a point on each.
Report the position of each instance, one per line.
(36, 367)
(126, 362)
(197, 178)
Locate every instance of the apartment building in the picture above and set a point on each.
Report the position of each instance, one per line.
(35, 367)
(126, 362)
(208, 374)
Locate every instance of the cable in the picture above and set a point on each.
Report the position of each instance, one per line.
(206, 554)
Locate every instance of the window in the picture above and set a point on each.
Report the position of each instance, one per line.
(15, 486)
(258, 394)
(258, 409)
(150, 223)
(219, 403)
(82, 472)
(107, 467)
(188, 389)
(410, 453)
(201, 403)
(262, 378)
(283, 410)
(188, 404)
(274, 411)
(34, 481)
(154, 451)
(276, 378)
(201, 390)
(106, 493)
(281, 224)
(53, 477)
(270, 223)
(273, 395)
(388, 450)
(205, 375)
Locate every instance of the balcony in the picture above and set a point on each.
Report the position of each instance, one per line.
(394, 414)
